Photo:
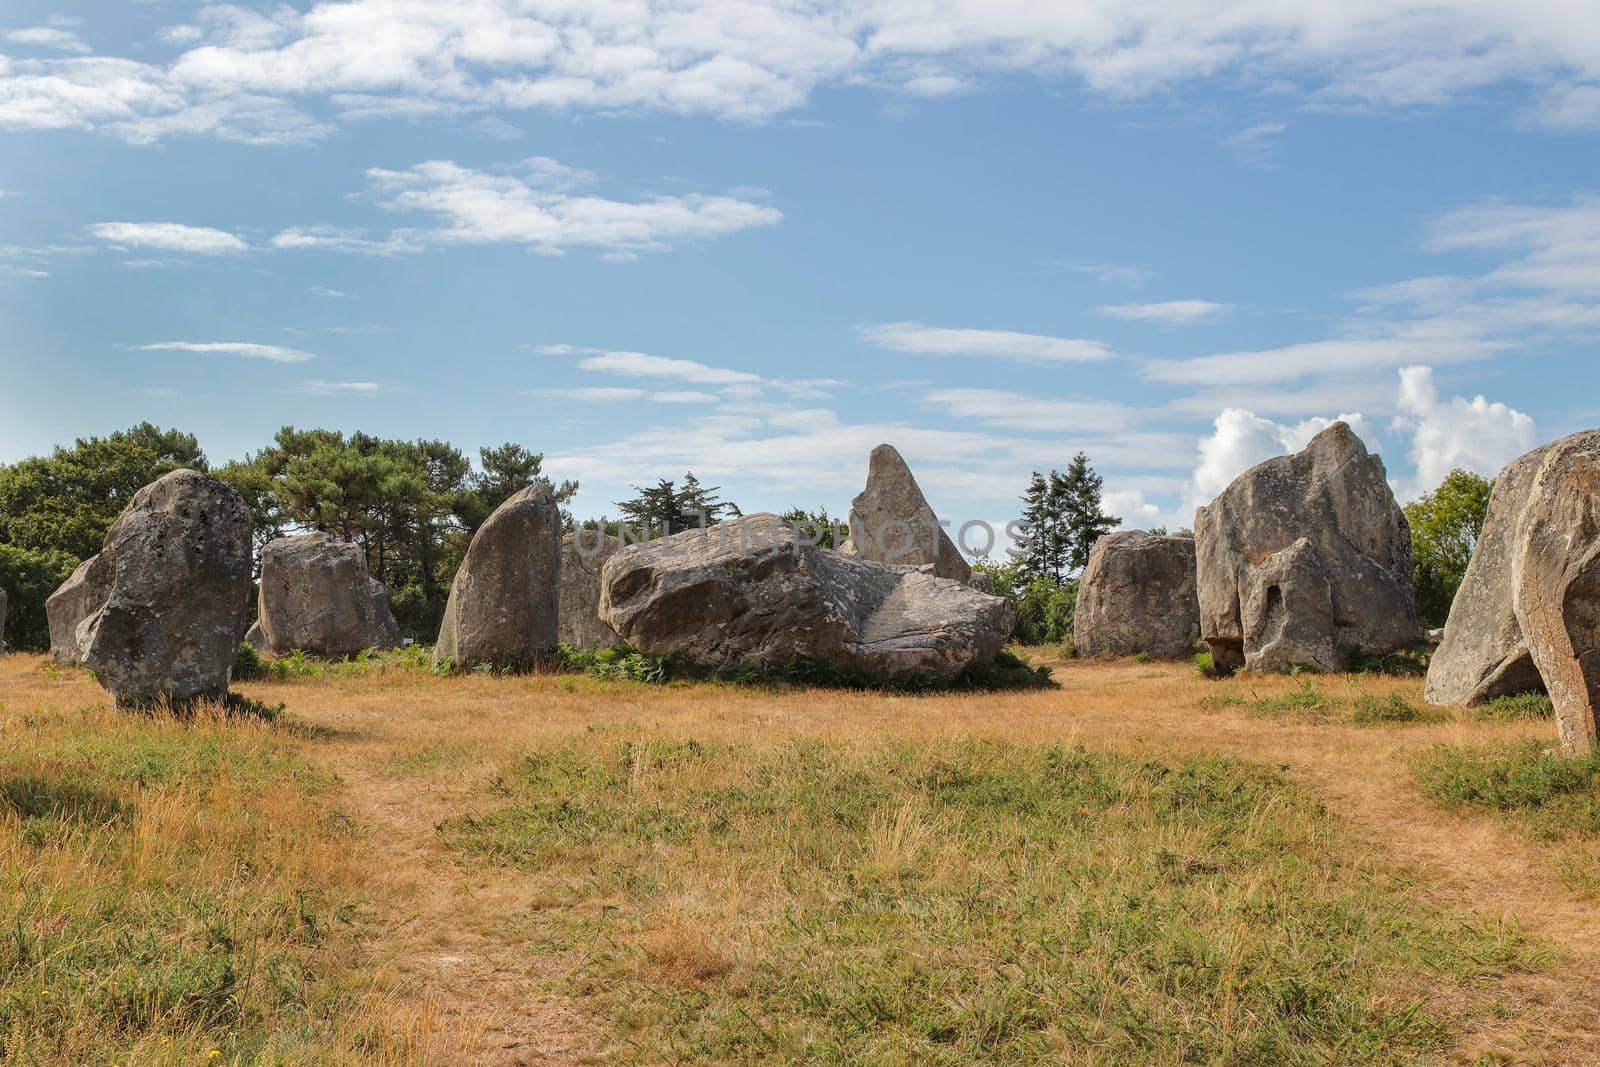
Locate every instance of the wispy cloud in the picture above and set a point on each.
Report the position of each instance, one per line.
(536, 203)
(318, 387)
(52, 37)
(169, 237)
(1171, 312)
(992, 344)
(1119, 273)
(248, 350)
(331, 294)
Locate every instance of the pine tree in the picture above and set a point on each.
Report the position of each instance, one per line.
(666, 508)
(1038, 547)
(1078, 499)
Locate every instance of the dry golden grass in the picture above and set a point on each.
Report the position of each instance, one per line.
(450, 957)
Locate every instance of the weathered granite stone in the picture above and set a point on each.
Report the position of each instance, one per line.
(255, 638)
(1259, 607)
(892, 522)
(504, 606)
(158, 613)
(583, 554)
(748, 592)
(316, 596)
(1137, 595)
(69, 605)
(1527, 615)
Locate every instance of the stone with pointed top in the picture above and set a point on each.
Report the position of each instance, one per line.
(892, 522)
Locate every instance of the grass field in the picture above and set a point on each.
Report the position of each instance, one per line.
(1141, 866)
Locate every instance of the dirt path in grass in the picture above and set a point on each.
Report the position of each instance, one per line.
(412, 752)
(450, 936)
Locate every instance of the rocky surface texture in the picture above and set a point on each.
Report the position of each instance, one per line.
(583, 556)
(746, 592)
(504, 606)
(892, 522)
(1137, 595)
(1304, 559)
(1527, 615)
(158, 613)
(316, 596)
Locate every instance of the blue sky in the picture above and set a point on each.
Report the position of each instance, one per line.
(755, 238)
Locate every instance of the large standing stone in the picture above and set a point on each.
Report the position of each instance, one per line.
(316, 595)
(748, 592)
(583, 554)
(1304, 559)
(504, 606)
(892, 522)
(1527, 615)
(158, 613)
(1137, 594)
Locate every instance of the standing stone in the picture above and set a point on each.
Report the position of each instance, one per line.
(255, 638)
(158, 613)
(750, 592)
(316, 595)
(583, 554)
(1137, 595)
(892, 522)
(505, 603)
(1527, 615)
(69, 605)
(1304, 559)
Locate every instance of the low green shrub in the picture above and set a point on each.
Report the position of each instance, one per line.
(1551, 795)
(1516, 708)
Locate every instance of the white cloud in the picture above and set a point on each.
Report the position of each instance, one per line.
(1475, 434)
(1118, 273)
(751, 60)
(274, 353)
(611, 394)
(993, 344)
(54, 37)
(1558, 247)
(1241, 439)
(331, 294)
(25, 272)
(1026, 411)
(644, 365)
(1172, 312)
(536, 204)
(317, 387)
(1252, 146)
(169, 237)
(1341, 356)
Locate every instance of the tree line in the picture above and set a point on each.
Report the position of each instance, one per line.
(414, 505)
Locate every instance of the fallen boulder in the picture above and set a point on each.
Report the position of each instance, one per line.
(1527, 615)
(158, 613)
(316, 596)
(892, 522)
(1137, 595)
(583, 555)
(1304, 560)
(504, 605)
(750, 592)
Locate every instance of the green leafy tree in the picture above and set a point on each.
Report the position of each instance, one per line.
(1045, 608)
(829, 532)
(503, 472)
(1445, 526)
(669, 506)
(55, 511)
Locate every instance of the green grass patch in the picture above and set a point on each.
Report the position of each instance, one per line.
(250, 665)
(1371, 709)
(949, 902)
(1516, 708)
(167, 889)
(1552, 796)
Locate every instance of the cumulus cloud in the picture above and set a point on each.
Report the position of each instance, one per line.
(169, 237)
(756, 59)
(1240, 439)
(1476, 434)
(992, 344)
(1171, 312)
(273, 353)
